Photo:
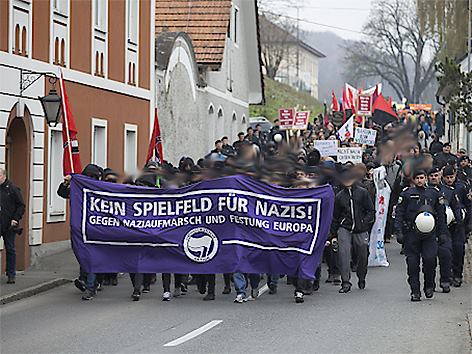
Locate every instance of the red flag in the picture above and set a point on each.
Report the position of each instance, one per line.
(335, 103)
(71, 158)
(155, 145)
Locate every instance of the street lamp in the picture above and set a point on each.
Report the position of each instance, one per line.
(52, 107)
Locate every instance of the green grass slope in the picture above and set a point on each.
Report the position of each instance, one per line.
(280, 95)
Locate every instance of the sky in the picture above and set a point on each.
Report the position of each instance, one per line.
(347, 14)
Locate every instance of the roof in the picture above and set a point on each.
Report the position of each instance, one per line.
(164, 46)
(289, 38)
(205, 21)
(312, 50)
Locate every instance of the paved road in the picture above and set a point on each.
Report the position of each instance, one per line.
(380, 319)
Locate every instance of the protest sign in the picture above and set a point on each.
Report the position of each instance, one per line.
(365, 136)
(229, 224)
(377, 255)
(364, 105)
(326, 147)
(353, 154)
(286, 117)
(301, 120)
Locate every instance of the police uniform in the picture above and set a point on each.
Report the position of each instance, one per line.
(448, 197)
(414, 201)
(458, 231)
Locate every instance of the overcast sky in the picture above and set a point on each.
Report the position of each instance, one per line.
(348, 14)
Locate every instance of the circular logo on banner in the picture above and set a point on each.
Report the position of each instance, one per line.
(200, 245)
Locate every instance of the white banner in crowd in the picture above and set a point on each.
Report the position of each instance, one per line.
(365, 136)
(353, 154)
(377, 255)
(326, 147)
(347, 130)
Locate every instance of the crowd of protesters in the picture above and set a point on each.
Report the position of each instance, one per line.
(289, 159)
(406, 149)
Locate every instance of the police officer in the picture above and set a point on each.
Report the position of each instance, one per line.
(451, 202)
(419, 218)
(460, 229)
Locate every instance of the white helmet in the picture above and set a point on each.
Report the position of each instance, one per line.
(425, 222)
(278, 137)
(449, 215)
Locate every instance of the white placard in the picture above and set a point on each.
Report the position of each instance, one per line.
(365, 136)
(353, 154)
(326, 147)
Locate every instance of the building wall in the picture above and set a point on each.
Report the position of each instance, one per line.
(192, 118)
(118, 111)
(91, 97)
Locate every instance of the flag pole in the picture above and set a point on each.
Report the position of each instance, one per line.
(66, 121)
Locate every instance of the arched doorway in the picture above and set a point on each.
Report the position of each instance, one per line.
(18, 159)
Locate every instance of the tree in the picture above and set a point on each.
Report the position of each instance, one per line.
(449, 19)
(276, 38)
(394, 49)
(455, 87)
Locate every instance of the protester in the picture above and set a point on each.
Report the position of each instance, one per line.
(354, 215)
(12, 209)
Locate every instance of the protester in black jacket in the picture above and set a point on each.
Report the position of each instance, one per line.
(86, 281)
(353, 218)
(12, 209)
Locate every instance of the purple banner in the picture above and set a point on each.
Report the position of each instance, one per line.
(226, 225)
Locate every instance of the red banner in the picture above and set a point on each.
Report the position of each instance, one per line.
(71, 158)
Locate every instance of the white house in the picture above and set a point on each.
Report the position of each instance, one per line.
(457, 134)
(208, 72)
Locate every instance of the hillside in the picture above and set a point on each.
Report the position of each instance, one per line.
(280, 95)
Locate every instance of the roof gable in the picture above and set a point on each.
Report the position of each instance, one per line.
(205, 21)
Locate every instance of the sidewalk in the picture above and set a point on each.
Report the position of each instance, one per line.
(51, 271)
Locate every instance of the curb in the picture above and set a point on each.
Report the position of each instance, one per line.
(33, 290)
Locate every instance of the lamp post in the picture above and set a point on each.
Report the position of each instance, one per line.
(51, 103)
(52, 107)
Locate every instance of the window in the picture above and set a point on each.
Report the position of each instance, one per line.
(99, 142)
(56, 204)
(16, 50)
(234, 117)
(96, 64)
(133, 21)
(131, 148)
(102, 74)
(61, 6)
(220, 113)
(235, 24)
(56, 51)
(24, 42)
(211, 110)
(100, 12)
(63, 53)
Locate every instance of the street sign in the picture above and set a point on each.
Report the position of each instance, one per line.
(364, 105)
(301, 120)
(365, 136)
(286, 117)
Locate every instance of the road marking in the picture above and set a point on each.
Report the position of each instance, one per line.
(194, 333)
(262, 290)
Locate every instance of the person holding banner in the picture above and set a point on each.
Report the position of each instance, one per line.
(86, 281)
(353, 217)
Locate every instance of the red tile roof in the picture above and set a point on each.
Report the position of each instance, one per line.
(205, 21)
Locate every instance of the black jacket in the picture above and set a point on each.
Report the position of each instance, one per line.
(353, 210)
(412, 200)
(12, 206)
